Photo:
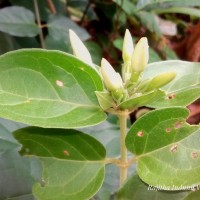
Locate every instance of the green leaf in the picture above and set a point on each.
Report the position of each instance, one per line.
(107, 134)
(153, 56)
(141, 100)
(135, 189)
(163, 4)
(73, 162)
(128, 7)
(18, 173)
(149, 21)
(181, 10)
(18, 21)
(7, 142)
(183, 90)
(59, 25)
(95, 51)
(167, 148)
(43, 7)
(55, 44)
(49, 89)
(105, 99)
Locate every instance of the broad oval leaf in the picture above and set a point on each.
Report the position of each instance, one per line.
(183, 90)
(135, 189)
(18, 21)
(59, 25)
(49, 89)
(73, 162)
(167, 148)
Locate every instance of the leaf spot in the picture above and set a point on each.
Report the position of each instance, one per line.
(168, 130)
(178, 125)
(59, 83)
(140, 134)
(27, 150)
(66, 152)
(27, 101)
(194, 155)
(173, 149)
(42, 183)
(171, 96)
(81, 68)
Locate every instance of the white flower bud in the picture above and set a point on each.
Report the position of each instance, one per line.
(127, 47)
(79, 49)
(140, 56)
(112, 79)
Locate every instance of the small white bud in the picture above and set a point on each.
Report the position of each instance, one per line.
(127, 51)
(140, 56)
(112, 79)
(79, 49)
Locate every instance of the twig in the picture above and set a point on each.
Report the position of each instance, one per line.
(37, 13)
(51, 6)
(85, 12)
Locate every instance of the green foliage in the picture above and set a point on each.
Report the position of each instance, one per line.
(152, 4)
(55, 91)
(141, 191)
(18, 173)
(18, 21)
(166, 147)
(59, 76)
(59, 25)
(183, 90)
(72, 162)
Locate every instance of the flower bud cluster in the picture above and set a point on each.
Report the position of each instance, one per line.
(119, 89)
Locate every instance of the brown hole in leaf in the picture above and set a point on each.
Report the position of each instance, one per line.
(178, 125)
(66, 152)
(140, 134)
(173, 149)
(194, 155)
(171, 96)
(59, 83)
(168, 130)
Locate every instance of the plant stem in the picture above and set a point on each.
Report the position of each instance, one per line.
(37, 13)
(85, 12)
(51, 7)
(123, 151)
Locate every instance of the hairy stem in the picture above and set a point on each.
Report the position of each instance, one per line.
(37, 13)
(123, 151)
